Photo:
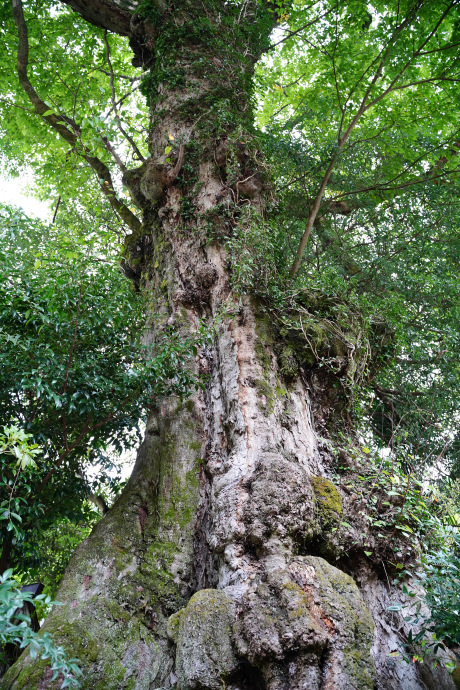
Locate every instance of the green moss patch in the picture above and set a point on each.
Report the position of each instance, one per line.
(328, 500)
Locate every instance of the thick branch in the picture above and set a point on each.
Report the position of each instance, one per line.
(119, 16)
(65, 126)
(105, 14)
(99, 502)
(311, 219)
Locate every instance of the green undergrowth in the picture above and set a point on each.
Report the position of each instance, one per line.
(413, 532)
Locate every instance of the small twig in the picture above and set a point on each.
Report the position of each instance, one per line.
(302, 28)
(56, 210)
(120, 101)
(118, 76)
(114, 101)
(18, 473)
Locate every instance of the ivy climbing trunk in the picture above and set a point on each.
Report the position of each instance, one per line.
(231, 558)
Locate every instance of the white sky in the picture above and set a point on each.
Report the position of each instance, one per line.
(14, 191)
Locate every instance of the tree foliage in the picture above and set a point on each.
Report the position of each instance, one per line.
(74, 375)
(15, 629)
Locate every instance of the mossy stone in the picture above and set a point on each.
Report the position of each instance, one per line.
(342, 603)
(205, 656)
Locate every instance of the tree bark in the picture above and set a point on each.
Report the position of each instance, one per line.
(225, 563)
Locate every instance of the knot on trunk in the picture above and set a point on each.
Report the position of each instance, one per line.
(240, 168)
(191, 297)
(149, 182)
(196, 291)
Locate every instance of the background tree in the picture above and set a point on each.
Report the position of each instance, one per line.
(73, 377)
(322, 240)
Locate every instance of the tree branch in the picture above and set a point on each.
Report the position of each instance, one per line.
(119, 16)
(105, 14)
(114, 101)
(380, 58)
(416, 54)
(66, 127)
(302, 28)
(74, 340)
(311, 219)
(363, 108)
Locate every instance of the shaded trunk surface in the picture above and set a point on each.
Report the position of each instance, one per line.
(224, 563)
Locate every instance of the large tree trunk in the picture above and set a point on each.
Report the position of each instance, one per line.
(224, 563)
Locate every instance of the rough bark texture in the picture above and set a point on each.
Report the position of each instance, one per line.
(224, 563)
